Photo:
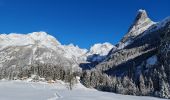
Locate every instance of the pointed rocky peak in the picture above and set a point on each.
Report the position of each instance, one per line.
(142, 15)
(141, 23)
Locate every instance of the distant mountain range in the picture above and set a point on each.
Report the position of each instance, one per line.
(39, 47)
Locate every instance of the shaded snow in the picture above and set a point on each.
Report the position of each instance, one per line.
(19, 90)
(152, 60)
(163, 22)
(156, 26)
(122, 45)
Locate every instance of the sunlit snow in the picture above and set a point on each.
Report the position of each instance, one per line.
(19, 90)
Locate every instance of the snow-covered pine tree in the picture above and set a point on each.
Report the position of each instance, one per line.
(85, 78)
(142, 87)
(119, 86)
(129, 86)
(164, 91)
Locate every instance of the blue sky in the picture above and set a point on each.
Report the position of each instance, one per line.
(81, 22)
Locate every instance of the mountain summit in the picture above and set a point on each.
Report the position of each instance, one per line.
(141, 23)
(141, 16)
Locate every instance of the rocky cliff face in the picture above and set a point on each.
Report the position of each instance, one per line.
(141, 23)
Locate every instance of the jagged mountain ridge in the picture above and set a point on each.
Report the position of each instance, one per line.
(38, 39)
(26, 49)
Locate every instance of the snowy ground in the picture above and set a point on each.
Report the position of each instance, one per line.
(19, 90)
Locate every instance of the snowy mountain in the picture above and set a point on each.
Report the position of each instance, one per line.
(140, 65)
(101, 48)
(22, 55)
(140, 43)
(41, 48)
(141, 23)
(74, 52)
(99, 51)
(42, 40)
